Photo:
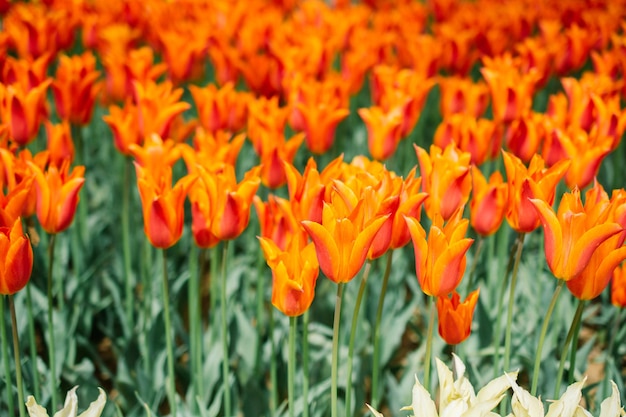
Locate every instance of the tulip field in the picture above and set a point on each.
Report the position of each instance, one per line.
(312, 208)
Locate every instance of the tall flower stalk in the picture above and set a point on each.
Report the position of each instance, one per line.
(169, 336)
(334, 409)
(224, 329)
(16, 356)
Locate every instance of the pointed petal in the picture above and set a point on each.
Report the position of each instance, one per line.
(96, 407)
(553, 234)
(325, 247)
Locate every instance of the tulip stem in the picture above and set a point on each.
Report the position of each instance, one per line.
(609, 358)
(195, 322)
(570, 335)
(225, 359)
(335, 354)
(32, 342)
(379, 315)
(429, 342)
(16, 356)
(353, 328)
(542, 336)
(5, 360)
(291, 371)
(171, 386)
(509, 315)
(503, 282)
(305, 364)
(572, 358)
(273, 367)
(51, 341)
(130, 298)
(477, 253)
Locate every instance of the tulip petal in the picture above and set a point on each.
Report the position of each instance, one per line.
(587, 244)
(325, 247)
(553, 235)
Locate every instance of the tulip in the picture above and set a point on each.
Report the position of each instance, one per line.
(342, 243)
(294, 274)
(306, 191)
(488, 203)
(383, 130)
(455, 318)
(410, 205)
(70, 408)
(75, 88)
(157, 106)
(22, 111)
(446, 179)
(570, 238)
(16, 258)
(481, 138)
(163, 211)
(221, 108)
(440, 259)
(220, 205)
(60, 143)
(57, 195)
(124, 124)
(618, 287)
(524, 183)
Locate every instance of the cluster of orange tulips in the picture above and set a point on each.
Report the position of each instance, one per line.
(301, 62)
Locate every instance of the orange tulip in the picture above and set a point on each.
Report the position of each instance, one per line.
(14, 203)
(157, 106)
(60, 143)
(462, 95)
(618, 287)
(488, 203)
(455, 317)
(306, 191)
(570, 235)
(23, 111)
(163, 211)
(212, 150)
(75, 88)
(16, 173)
(440, 259)
(480, 137)
(294, 274)
(183, 53)
(16, 258)
(446, 179)
(523, 136)
(220, 205)
(511, 91)
(342, 241)
(57, 195)
(607, 257)
(28, 73)
(384, 129)
(277, 221)
(221, 108)
(125, 127)
(410, 205)
(525, 183)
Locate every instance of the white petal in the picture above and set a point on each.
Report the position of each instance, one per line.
(446, 385)
(611, 406)
(423, 405)
(495, 388)
(71, 404)
(523, 404)
(567, 404)
(376, 413)
(34, 409)
(96, 407)
(455, 408)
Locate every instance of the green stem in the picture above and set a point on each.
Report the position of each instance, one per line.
(225, 359)
(570, 335)
(195, 322)
(32, 342)
(355, 321)
(291, 371)
(128, 281)
(273, 367)
(260, 307)
(429, 342)
(477, 252)
(542, 337)
(5, 360)
(51, 341)
(146, 278)
(16, 355)
(609, 351)
(335, 355)
(503, 284)
(305, 365)
(379, 315)
(171, 386)
(509, 315)
(574, 348)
